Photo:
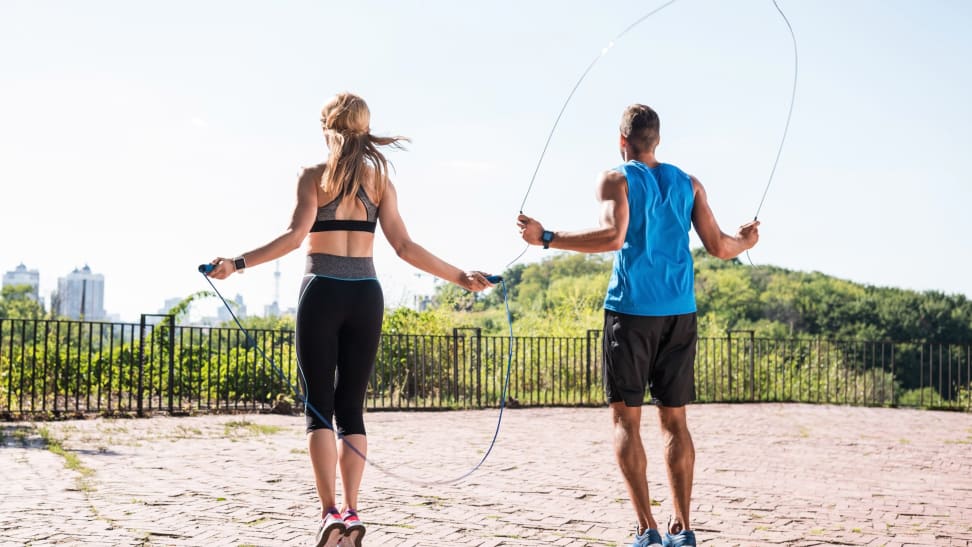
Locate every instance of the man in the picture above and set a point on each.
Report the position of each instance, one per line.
(650, 332)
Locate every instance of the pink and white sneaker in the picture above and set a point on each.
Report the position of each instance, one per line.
(354, 529)
(332, 529)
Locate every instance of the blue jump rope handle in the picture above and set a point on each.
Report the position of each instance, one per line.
(494, 278)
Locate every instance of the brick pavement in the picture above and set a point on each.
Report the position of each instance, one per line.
(766, 474)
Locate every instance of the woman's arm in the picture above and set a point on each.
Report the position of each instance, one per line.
(393, 227)
(303, 218)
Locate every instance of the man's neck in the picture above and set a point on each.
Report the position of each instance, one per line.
(647, 158)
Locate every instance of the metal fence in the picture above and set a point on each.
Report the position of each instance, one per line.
(55, 368)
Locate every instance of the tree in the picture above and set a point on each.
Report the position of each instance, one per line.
(16, 303)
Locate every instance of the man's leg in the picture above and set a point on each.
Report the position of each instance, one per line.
(680, 461)
(630, 453)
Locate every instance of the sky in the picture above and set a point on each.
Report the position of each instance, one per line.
(143, 138)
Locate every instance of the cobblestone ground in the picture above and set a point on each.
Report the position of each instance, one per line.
(766, 474)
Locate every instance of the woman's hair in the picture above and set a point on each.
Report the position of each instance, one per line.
(345, 120)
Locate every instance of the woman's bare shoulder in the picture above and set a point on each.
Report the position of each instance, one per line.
(313, 169)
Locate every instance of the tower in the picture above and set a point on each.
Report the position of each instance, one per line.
(273, 310)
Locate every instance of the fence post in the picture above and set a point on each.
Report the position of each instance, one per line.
(141, 358)
(752, 361)
(475, 360)
(729, 361)
(591, 350)
(455, 364)
(479, 365)
(171, 360)
(141, 364)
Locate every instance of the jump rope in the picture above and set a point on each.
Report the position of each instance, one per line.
(204, 269)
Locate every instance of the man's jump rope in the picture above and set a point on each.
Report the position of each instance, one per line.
(206, 268)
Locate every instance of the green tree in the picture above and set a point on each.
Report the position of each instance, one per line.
(16, 303)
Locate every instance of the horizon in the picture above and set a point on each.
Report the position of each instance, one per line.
(209, 309)
(144, 155)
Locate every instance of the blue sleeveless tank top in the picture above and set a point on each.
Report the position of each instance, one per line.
(653, 271)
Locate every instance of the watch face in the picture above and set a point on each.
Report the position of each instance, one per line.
(547, 236)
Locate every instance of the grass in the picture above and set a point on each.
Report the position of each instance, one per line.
(71, 460)
(232, 427)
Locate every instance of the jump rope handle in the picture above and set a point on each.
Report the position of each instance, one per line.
(494, 278)
(206, 268)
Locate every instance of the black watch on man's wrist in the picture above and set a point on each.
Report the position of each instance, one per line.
(239, 263)
(546, 238)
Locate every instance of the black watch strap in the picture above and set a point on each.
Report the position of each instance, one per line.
(546, 238)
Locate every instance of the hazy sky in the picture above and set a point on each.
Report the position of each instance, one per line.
(145, 138)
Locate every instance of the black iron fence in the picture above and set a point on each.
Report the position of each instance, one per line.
(53, 368)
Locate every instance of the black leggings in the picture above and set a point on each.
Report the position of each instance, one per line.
(338, 327)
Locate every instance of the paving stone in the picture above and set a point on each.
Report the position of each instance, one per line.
(766, 475)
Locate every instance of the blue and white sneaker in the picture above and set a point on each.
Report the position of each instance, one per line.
(685, 538)
(648, 538)
(332, 529)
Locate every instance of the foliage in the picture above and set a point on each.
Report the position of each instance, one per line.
(562, 295)
(16, 303)
(805, 336)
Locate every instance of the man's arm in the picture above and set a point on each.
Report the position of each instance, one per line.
(718, 243)
(612, 193)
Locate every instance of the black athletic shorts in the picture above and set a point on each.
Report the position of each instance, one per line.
(657, 353)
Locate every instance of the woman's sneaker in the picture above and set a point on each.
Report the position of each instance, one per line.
(332, 529)
(354, 528)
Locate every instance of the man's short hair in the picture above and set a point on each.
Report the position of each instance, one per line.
(640, 125)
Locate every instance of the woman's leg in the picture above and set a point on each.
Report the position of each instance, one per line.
(360, 336)
(317, 352)
(352, 467)
(323, 455)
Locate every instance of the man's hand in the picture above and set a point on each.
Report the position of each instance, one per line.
(748, 234)
(530, 230)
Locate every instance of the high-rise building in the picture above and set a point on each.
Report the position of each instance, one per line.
(22, 276)
(239, 308)
(81, 295)
(170, 303)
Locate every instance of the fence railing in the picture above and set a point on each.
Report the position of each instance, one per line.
(52, 368)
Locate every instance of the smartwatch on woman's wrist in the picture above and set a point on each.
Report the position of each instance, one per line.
(239, 263)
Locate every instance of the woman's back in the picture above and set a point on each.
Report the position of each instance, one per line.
(345, 226)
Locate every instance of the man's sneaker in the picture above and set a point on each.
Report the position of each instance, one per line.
(354, 528)
(332, 529)
(648, 538)
(685, 538)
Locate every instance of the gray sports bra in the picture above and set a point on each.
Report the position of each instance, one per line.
(327, 223)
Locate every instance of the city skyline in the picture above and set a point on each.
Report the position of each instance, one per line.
(145, 156)
(68, 298)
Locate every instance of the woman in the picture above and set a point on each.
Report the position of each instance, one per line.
(340, 309)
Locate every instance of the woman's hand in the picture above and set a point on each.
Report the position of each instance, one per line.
(222, 268)
(474, 281)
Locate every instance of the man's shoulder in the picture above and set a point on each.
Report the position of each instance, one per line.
(615, 175)
(672, 168)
